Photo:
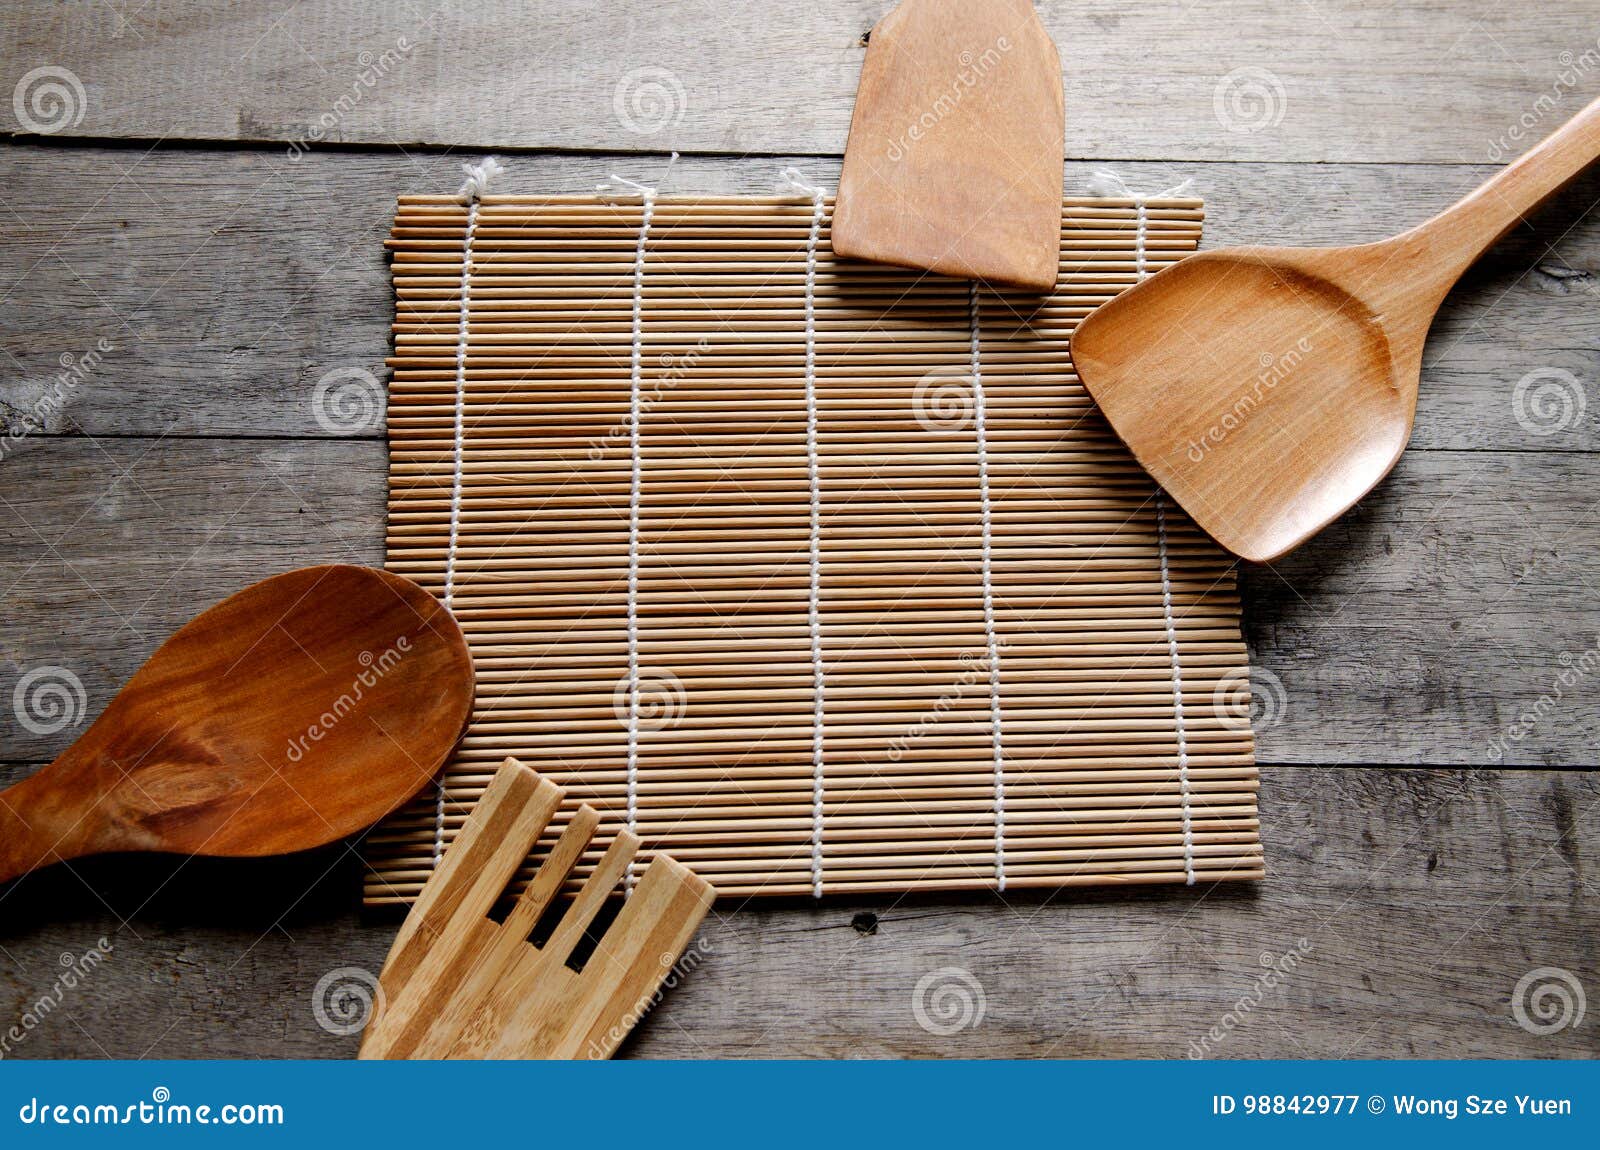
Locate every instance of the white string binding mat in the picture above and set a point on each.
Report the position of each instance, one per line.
(472, 191)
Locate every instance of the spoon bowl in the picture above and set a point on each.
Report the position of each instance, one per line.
(1269, 389)
(299, 711)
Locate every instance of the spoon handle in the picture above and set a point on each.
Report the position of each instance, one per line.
(1462, 233)
(30, 834)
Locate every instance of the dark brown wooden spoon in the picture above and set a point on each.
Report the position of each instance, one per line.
(300, 710)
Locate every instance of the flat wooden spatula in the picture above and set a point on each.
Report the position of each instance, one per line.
(458, 984)
(1268, 389)
(301, 710)
(954, 159)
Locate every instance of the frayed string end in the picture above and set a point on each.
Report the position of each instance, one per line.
(478, 177)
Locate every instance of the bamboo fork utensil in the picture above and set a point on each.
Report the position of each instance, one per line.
(1269, 389)
(458, 984)
(300, 710)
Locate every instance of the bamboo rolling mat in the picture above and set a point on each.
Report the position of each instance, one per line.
(822, 576)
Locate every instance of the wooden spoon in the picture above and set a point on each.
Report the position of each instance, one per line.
(1268, 389)
(298, 711)
(954, 158)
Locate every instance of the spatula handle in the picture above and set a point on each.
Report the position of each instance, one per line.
(31, 833)
(1464, 232)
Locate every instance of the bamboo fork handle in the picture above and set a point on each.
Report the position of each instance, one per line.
(1459, 235)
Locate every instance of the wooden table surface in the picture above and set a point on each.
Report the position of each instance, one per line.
(206, 204)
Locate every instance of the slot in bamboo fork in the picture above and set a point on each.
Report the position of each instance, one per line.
(460, 985)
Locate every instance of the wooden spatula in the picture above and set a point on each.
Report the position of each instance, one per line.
(300, 710)
(954, 158)
(1268, 389)
(460, 985)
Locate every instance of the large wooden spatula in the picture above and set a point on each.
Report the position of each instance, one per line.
(954, 158)
(300, 710)
(1268, 389)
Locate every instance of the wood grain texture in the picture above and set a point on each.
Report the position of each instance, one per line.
(954, 158)
(225, 318)
(294, 712)
(1249, 79)
(1422, 896)
(1419, 628)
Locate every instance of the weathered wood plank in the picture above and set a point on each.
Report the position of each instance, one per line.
(1246, 79)
(1411, 903)
(1419, 629)
(229, 283)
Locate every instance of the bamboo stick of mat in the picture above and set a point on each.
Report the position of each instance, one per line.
(1030, 665)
